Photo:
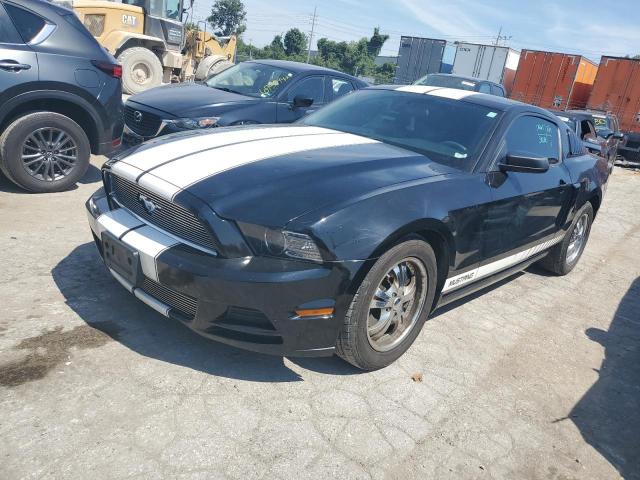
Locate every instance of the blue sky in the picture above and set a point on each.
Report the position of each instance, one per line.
(588, 27)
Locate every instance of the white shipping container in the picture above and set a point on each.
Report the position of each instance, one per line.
(489, 62)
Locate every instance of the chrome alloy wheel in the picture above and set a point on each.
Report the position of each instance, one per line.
(397, 304)
(49, 154)
(578, 238)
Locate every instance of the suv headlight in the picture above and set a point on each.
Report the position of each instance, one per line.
(280, 243)
(193, 123)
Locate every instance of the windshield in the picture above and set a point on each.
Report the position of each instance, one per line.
(252, 79)
(448, 81)
(451, 132)
(601, 122)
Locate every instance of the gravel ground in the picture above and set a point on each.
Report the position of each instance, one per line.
(538, 377)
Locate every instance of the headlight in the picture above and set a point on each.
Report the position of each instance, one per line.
(193, 123)
(280, 243)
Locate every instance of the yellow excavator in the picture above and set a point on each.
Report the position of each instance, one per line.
(151, 41)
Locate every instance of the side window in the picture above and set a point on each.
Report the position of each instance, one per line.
(8, 33)
(28, 24)
(566, 142)
(340, 87)
(532, 136)
(484, 88)
(311, 87)
(497, 90)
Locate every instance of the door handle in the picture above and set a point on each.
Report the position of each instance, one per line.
(12, 66)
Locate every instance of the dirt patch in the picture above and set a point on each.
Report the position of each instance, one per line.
(52, 347)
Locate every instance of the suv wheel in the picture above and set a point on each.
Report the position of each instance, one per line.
(44, 152)
(390, 307)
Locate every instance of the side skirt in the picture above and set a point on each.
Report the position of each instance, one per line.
(449, 297)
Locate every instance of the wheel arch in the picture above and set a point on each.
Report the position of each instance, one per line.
(153, 44)
(595, 199)
(432, 231)
(56, 102)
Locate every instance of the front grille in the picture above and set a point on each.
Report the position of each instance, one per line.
(178, 301)
(633, 143)
(170, 216)
(147, 124)
(94, 23)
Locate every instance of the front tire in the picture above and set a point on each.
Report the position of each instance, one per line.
(564, 256)
(44, 152)
(141, 70)
(390, 306)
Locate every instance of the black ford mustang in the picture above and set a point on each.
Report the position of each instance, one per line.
(343, 232)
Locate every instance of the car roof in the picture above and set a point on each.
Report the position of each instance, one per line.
(589, 113)
(300, 67)
(491, 101)
(465, 77)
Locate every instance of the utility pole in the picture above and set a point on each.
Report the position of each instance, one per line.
(498, 37)
(313, 26)
(501, 37)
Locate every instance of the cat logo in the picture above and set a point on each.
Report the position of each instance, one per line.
(129, 20)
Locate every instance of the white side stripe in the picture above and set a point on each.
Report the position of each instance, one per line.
(497, 266)
(152, 157)
(149, 243)
(186, 171)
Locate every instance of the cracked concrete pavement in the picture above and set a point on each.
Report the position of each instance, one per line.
(538, 377)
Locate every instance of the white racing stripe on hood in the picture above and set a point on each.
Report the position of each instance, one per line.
(452, 93)
(193, 168)
(137, 163)
(416, 88)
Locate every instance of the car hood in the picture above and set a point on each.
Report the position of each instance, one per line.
(190, 99)
(270, 175)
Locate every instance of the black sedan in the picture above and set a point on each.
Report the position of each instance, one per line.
(264, 91)
(340, 234)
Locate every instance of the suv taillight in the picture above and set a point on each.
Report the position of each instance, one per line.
(113, 69)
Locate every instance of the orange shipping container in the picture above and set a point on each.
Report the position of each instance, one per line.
(617, 90)
(553, 80)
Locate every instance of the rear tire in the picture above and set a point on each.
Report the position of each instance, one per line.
(564, 256)
(141, 70)
(210, 65)
(22, 138)
(377, 328)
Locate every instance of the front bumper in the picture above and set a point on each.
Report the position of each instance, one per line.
(246, 302)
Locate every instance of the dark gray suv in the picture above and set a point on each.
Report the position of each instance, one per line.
(60, 96)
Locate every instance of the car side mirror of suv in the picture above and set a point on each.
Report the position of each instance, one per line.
(618, 136)
(524, 164)
(300, 101)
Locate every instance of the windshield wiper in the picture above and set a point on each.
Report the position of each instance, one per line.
(225, 89)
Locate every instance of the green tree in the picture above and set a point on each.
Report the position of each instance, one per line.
(375, 43)
(355, 58)
(277, 48)
(385, 73)
(228, 17)
(295, 42)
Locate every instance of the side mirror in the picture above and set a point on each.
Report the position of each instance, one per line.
(618, 136)
(605, 133)
(300, 101)
(523, 164)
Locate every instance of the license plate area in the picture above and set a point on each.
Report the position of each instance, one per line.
(121, 258)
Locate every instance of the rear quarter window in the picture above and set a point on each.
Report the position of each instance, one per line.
(8, 33)
(28, 24)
